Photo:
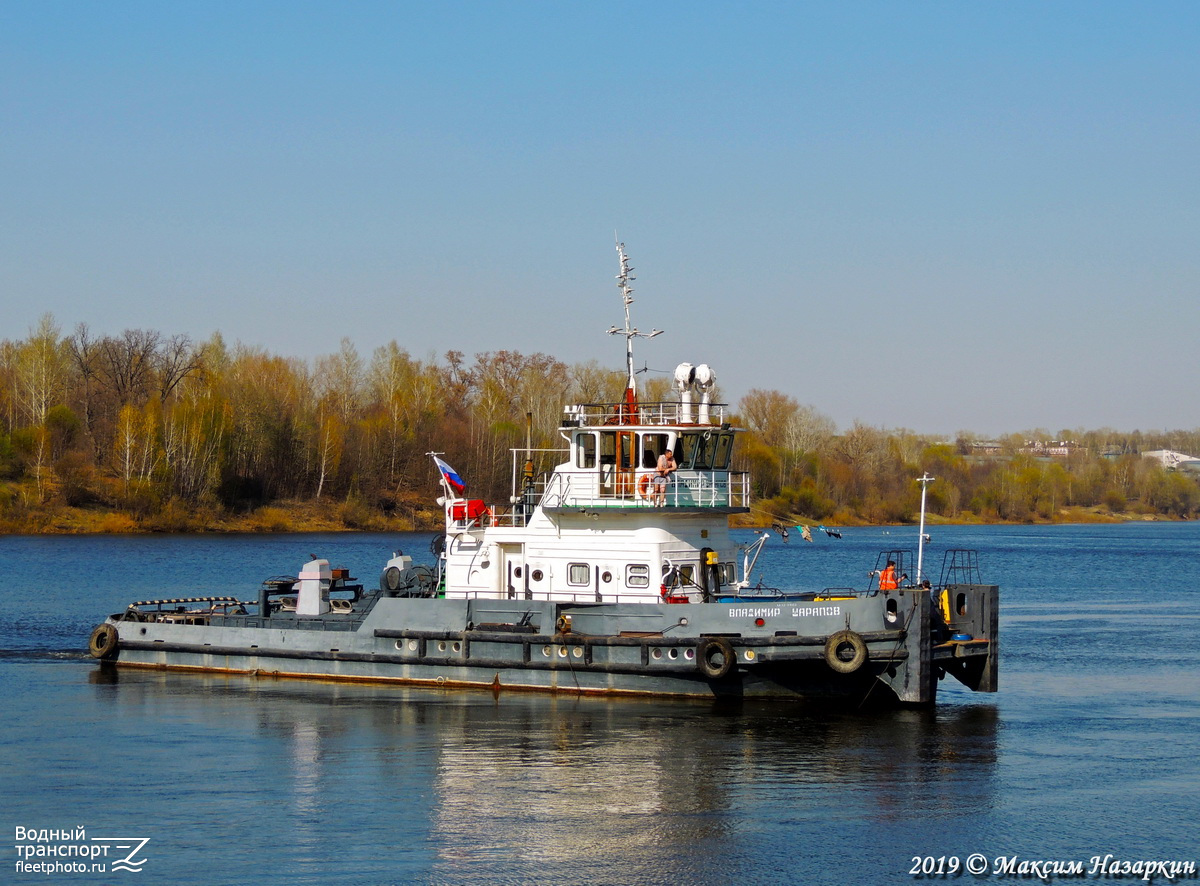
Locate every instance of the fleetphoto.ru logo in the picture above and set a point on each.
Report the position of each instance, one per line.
(133, 845)
(53, 851)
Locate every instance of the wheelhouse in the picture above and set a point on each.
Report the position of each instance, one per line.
(612, 460)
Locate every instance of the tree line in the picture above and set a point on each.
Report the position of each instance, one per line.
(168, 432)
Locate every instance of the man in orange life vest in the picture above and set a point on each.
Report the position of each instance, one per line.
(887, 578)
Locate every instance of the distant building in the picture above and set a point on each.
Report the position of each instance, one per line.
(1174, 461)
(985, 447)
(1036, 448)
(1051, 448)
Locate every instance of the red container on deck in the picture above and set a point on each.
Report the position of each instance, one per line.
(472, 509)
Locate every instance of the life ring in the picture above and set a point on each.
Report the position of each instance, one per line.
(715, 657)
(104, 641)
(644, 487)
(845, 652)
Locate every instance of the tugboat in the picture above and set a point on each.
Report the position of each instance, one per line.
(613, 572)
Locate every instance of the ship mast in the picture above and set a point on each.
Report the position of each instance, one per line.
(630, 332)
(924, 480)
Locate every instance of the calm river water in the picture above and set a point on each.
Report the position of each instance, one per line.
(1091, 747)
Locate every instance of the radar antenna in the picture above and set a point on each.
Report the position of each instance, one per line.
(624, 279)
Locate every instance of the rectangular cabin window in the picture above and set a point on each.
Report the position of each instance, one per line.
(685, 450)
(608, 448)
(586, 451)
(724, 450)
(697, 451)
(616, 448)
(637, 575)
(653, 445)
(579, 574)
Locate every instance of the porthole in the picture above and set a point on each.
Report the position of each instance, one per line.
(656, 654)
(577, 652)
(606, 577)
(546, 651)
(537, 575)
(457, 647)
(689, 653)
(412, 645)
(672, 654)
(562, 651)
(441, 645)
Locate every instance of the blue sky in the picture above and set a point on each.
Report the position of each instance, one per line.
(938, 216)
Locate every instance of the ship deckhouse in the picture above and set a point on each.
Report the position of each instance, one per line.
(594, 528)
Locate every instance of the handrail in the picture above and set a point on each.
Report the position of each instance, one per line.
(624, 489)
(652, 413)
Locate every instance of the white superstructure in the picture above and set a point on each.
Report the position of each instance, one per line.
(592, 528)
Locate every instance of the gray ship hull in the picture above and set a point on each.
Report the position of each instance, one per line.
(885, 648)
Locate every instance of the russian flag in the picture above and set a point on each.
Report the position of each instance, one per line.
(451, 477)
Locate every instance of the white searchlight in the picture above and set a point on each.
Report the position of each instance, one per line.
(706, 381)
(685, 375)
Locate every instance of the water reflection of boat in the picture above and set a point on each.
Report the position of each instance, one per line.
(609, 572)
(464, 786)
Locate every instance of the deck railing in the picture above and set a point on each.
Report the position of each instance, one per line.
(589, 489)
(685, 489)
(658, 413)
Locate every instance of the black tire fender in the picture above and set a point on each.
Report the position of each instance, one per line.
(104, 641)
(845, 652)
(715, 657)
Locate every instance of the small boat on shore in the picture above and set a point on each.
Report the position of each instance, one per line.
(606, 573)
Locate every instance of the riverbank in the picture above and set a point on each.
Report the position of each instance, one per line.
(412, 516)
(282, 516)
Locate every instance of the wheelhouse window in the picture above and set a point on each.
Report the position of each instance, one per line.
(653, 445)
(585, 452)
(679, 576)
(697, 451)
(637, 575)
(616, 448)
(578, 574)
(705, 451)
(608, 449)
(724, 449)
